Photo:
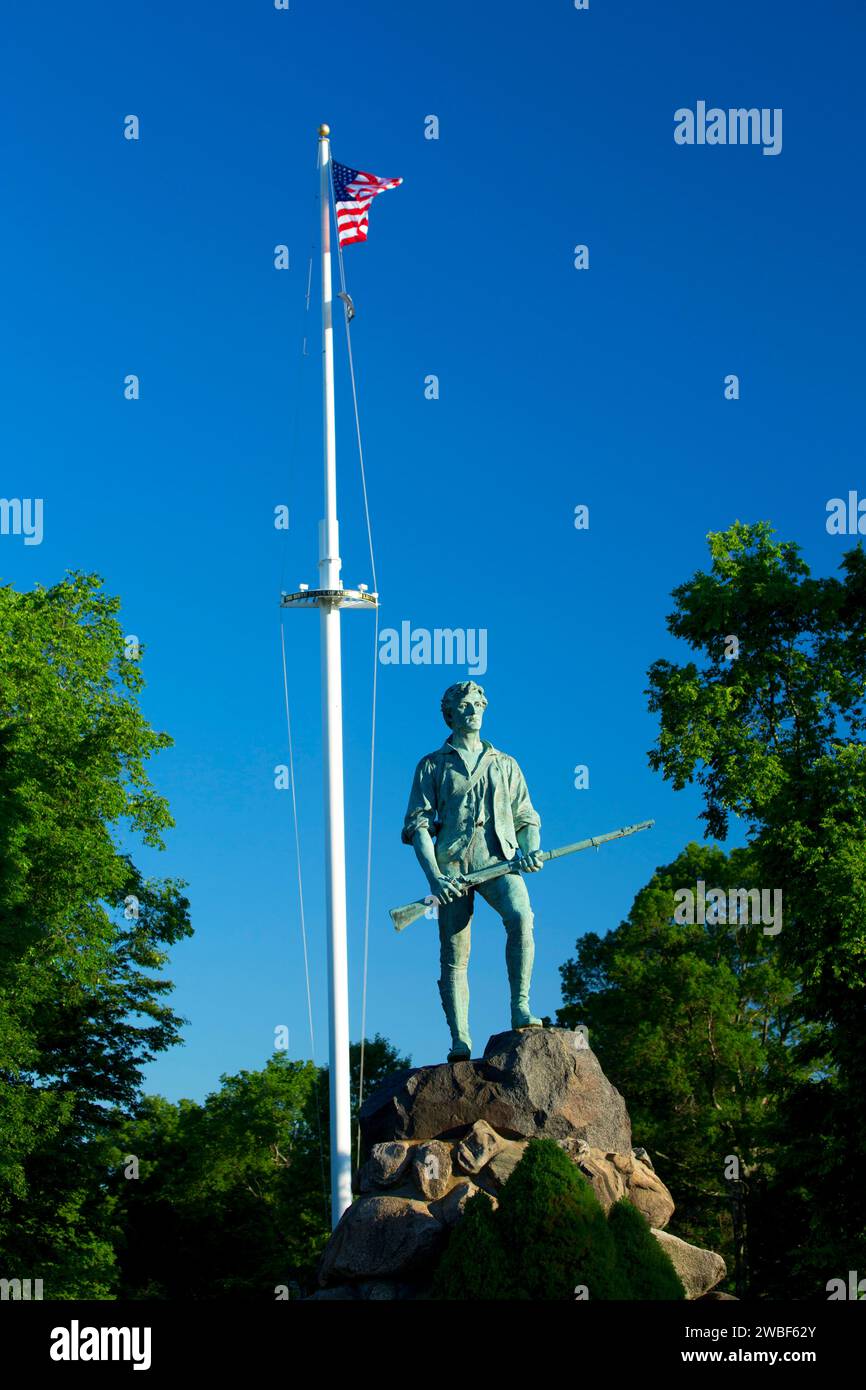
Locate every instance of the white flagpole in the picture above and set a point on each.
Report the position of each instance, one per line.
(332, 731)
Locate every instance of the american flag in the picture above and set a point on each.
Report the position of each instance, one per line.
(354, 191)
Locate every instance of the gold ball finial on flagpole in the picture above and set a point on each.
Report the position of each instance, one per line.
(324, 132)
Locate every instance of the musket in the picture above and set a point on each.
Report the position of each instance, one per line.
(403, 917)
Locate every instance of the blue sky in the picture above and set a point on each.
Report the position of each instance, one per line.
(557, 387)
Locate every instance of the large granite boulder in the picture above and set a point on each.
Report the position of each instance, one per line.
(450, 1208)
(505, 1160)
(699, 1270)
(542, 1083)
(617, 1175)
(476, 1150)
(607, 1182)
(432, 1169)
(380, 1237)
(385, 1166)
(644, 1188)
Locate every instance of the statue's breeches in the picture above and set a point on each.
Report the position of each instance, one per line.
(508, 897)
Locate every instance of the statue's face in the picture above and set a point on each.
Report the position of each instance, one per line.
(468, 713)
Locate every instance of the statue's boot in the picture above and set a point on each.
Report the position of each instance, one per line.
(519, 955)
(454, 993)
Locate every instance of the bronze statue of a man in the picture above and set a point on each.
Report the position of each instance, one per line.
(473, 802)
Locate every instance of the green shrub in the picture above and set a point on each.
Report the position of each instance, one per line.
(554, 1229)
(548, 1235)
(643, 1264)
(474, 1265)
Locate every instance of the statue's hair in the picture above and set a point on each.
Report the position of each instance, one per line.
(454, 693)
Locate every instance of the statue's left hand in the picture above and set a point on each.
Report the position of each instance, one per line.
(531, 861)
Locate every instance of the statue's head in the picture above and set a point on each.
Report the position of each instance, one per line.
(464, 704)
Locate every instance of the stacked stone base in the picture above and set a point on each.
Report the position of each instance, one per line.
(437, 1135)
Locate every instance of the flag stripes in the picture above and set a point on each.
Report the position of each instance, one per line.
(354, 191)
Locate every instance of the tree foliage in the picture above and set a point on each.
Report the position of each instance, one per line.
(775, 739)
(83, 934)
(232, 1198)
(224, 1200)
(697, 1025)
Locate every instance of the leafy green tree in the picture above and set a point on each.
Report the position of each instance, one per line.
(83, 935)
(697, 1025)
(225, 1201)
(232, 1196)
(775, 738)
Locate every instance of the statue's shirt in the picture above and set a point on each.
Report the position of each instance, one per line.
(487, 805)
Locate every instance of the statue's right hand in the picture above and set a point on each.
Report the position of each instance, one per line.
(447, 889)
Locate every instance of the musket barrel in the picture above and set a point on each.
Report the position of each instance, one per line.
(402, 917)
(597, 840)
